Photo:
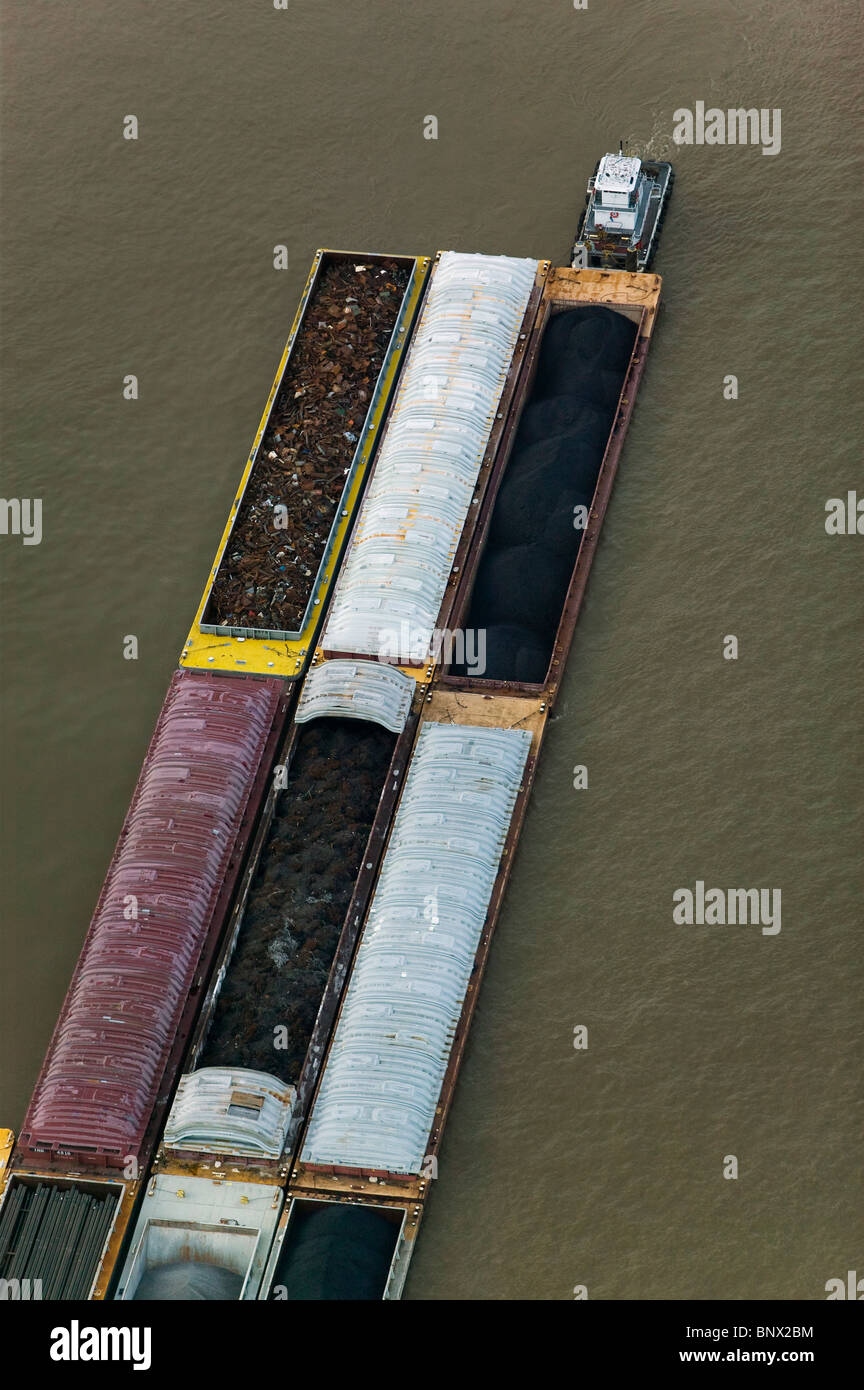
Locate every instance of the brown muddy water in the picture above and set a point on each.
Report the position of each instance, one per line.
(304, 127)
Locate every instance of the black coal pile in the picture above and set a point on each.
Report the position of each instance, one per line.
(335, 1251)
(297, 904)
(534, 536)
(266, 575)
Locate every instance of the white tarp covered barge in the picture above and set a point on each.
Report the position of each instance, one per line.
(390, 589)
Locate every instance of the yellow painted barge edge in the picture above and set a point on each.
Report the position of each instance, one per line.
(7, 1143)
(206, 651)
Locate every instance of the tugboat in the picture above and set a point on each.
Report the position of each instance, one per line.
(624, 206)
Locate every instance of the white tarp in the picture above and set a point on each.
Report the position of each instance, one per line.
(357, 690)
(376, 1104)
(230, 1110)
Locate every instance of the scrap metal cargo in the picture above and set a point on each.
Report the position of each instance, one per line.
(261, 610)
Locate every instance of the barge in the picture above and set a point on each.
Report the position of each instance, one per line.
(322, 999)
(266, 636)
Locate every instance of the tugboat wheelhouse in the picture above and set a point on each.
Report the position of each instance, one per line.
(623, 209)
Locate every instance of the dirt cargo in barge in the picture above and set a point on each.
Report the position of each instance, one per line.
(561, 448)
(335, 771)
(353, 1155)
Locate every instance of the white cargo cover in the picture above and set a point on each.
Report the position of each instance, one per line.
(357, 690)
(382, 1081)
(230, 1111)
(389, 593)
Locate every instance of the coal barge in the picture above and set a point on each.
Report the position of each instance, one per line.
(298, 1152)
